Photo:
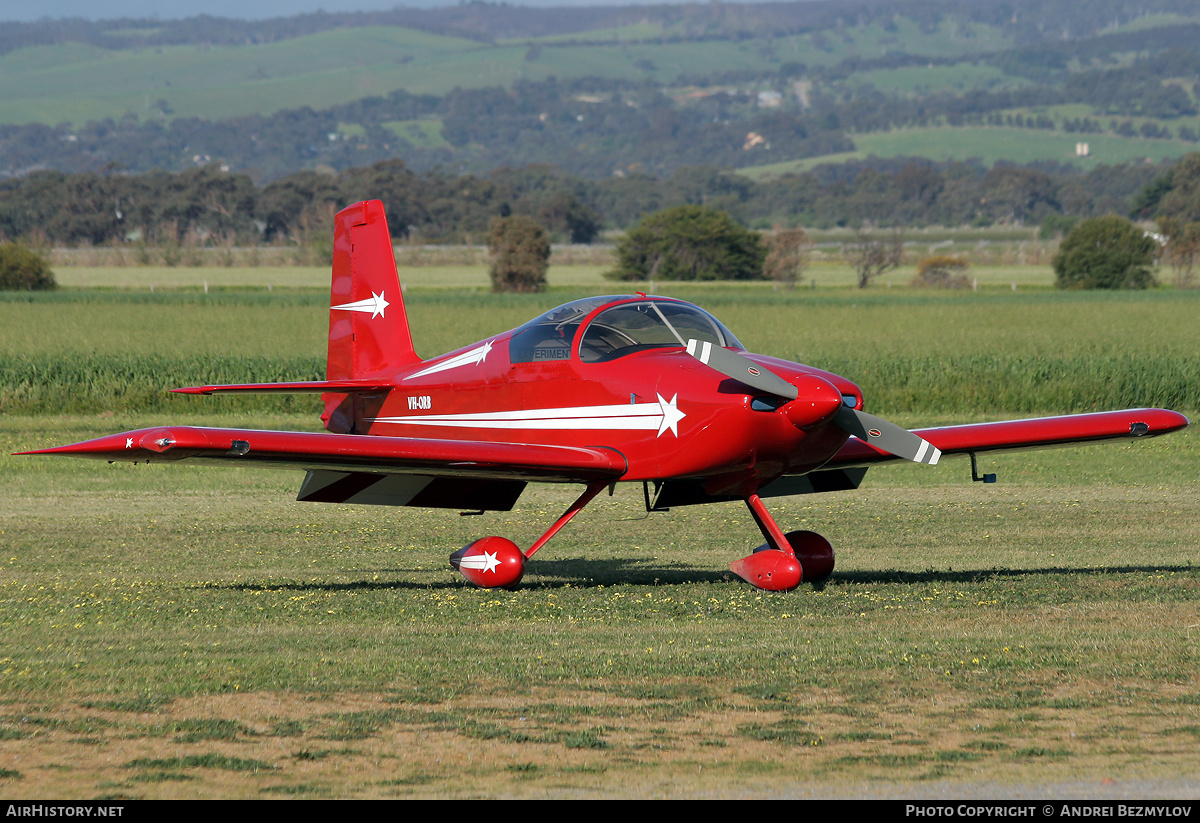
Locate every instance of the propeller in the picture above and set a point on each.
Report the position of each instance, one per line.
(886, 436)
(821, 400)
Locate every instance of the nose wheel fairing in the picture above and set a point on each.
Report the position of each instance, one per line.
(785, 560)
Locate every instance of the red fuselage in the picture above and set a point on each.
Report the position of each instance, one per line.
(667, 413)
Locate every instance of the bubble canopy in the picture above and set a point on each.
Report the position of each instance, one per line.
(630, 324)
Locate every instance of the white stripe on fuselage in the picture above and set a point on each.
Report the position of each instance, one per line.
(659, 417)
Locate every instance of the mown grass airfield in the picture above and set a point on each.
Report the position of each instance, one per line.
(174, 632)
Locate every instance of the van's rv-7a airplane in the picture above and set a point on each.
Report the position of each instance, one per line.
(605, 390)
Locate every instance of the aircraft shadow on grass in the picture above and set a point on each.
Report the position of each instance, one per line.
(589, 574)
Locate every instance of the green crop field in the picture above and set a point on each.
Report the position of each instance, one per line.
(913, 351)
(174, 632)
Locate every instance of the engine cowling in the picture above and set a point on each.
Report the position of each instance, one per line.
(490, 562)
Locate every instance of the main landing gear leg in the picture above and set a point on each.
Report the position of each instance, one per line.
(780, 564)
(497, 562)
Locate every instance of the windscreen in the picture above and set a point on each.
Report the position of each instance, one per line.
(650, 324)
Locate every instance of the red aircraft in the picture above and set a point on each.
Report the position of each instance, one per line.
(629, 388)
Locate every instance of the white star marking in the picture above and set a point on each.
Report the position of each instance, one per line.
(670, 415)
(486, 561)
(473, 357)
(375, 304)
(129, 442)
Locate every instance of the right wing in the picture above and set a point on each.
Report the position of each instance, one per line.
(845, 470)
(1032, 433)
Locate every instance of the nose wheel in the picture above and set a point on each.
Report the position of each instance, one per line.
(785, 560)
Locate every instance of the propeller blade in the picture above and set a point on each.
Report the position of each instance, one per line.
(815, 399)
(740, 368)
(888, 437)
(868, 428)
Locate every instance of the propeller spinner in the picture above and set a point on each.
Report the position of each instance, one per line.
(821, 400)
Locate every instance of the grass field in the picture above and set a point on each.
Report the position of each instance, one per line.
(424, 134)
(187, 632)
(826, 272)
(989, 144)
(924, 79)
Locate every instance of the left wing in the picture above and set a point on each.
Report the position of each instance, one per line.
(386, 471)
(352, 453)
(1033, 433)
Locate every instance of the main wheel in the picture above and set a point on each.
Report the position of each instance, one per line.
(814, 553)
(490, 562)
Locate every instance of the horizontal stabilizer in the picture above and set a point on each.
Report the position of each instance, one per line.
(299, 387)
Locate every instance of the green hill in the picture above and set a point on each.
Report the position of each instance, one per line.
(599, 91)
(76, 82)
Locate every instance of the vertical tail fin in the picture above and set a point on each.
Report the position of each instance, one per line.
(368, 327)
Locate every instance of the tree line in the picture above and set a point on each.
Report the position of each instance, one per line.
(592, 127)
(208, 205)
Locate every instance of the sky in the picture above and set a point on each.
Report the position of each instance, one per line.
(18, 10)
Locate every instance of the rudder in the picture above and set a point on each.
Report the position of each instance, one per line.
(368, 326)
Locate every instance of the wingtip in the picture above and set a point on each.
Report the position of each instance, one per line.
(108, 445)
(69, 449)
(1161, 421)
